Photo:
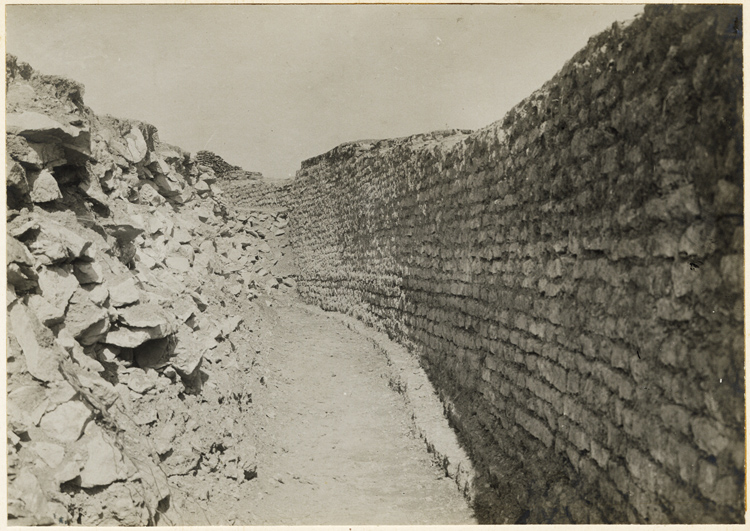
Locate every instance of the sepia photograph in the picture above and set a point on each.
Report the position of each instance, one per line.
(374, 264)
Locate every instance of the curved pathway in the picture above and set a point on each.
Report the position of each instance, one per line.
(345, 448)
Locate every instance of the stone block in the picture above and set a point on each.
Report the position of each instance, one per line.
(728, 198)
(707, 478)
(709, 435)
(699, 240)
(676, 418)
(688, 459)
(733, 271)
(671, 310)
(535, 427)
(43, 187)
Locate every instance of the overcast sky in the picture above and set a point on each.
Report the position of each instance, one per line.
(266, 87)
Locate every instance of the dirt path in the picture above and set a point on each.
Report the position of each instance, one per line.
(336, 444)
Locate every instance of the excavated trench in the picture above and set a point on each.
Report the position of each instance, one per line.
(309, 421)
(161, 369)
(334, 443)
(561, 273)
(292, 417)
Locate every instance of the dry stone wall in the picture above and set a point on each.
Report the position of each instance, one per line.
(570, 276)
(257, 193)
(223, 170)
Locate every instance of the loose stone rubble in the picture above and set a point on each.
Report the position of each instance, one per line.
(121, 259)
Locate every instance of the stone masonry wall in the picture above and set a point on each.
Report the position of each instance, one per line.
(223, 170)
(570, 276)
(256, 193)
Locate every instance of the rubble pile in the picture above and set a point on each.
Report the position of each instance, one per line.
(259, 193)
(123, 261)
(256, 254)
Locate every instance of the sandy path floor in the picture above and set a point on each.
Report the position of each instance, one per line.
(336, 444)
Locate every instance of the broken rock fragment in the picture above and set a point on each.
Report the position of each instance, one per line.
(17, 252)
(230, 324)
(163, 443)
(57, 284)
(146, 316)
(15, 180)
(70, 470)
(184, 308)
(42, 353)
(178, 263)
(167, 186)
(182, 461)
(98, 293)
(140, 323)
(124, 227)
(27, 500)
(65, 423)
(89, 272)
(203, 214)
(90, 184)
(181, 236)
(149, 194)
(131, 337)
(188, 353)
(104, 464)
(60, 392)
(137, 147)
(37, 127)
(19, 150)
(160, 166)
(21, 406)
(141, 381)
(100, 388)
(185, 195)
(86, 361)
(49, 155)
(124, 292)
(54, 237)
(51, 454)
(20, 271)
(118, 505)
(86, 321)
(202, 188)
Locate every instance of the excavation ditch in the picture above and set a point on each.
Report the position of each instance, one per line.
(335, 443)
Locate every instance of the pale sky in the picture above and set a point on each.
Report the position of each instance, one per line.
(266, 87)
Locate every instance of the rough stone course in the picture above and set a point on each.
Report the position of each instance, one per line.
(570, 276)
(222, 169)
(257, 193)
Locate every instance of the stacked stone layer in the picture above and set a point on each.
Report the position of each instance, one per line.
(571, 276)
(257, 193)
(222, 169)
